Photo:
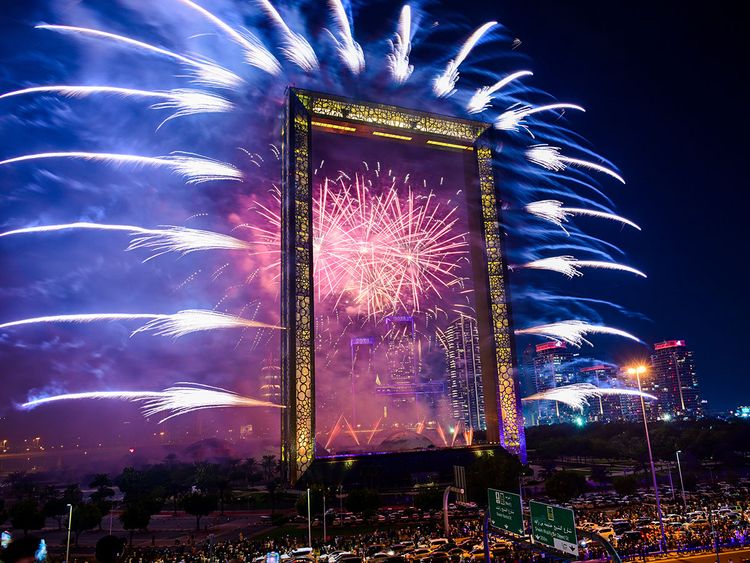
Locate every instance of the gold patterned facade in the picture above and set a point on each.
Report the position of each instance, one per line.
(298, 354)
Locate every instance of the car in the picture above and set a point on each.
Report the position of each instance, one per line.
(606, 532)
(438, 542)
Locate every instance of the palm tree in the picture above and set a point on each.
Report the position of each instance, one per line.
(269, 465)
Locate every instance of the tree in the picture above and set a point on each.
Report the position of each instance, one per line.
(25, 515)
(564, 485)
(366, 501)
(599, 474)
(86, 516)
(56, 508)
(269, 466)
(199, 505)
(104, 491)
(136, 516)
(494, 469)
(625, 484)
(429, 498)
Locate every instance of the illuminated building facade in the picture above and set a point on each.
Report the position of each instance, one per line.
(467, 144)
(553, 367)
(465, 373)
(675, 382)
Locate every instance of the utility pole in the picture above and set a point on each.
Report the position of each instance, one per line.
(309, 522)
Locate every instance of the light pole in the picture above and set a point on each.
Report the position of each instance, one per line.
(309, 523)
(682, 484)
(637, 371)
(70, 521)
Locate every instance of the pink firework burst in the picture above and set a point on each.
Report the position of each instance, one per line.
(376, 243)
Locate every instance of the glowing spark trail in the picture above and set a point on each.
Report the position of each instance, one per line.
(181, 398)
(398, 58)
(255, 52)
(204, 71)
(349, 50)
(184, 101)
(512, 119)
(551, 159)
(295, 47)
(482, 98)
(176, 325)
(553, 211)
(569, 266)
(161, 241)
(576, 395)
(445, 83)
(573, 332)
(195, 169)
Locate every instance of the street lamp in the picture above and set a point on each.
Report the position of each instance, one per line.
(70, 521)
(682, 484)
(637, 371)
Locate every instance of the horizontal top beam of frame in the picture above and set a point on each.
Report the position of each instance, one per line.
(355, 111)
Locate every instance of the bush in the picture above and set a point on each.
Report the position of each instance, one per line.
(565, 485)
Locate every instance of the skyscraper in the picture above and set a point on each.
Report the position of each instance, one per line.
(465, 373)
(676, 383)
(361, 378)
(553, 367)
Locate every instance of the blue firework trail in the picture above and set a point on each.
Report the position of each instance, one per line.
(223, 72)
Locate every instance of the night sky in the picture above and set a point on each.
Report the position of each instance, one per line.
(663, 86)
(664, 89)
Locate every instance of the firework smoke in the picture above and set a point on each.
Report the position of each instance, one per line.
(576, 395)
(193, 168)
(573, 332)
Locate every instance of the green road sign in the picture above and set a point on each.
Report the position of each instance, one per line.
(554, 527)
(505, 511)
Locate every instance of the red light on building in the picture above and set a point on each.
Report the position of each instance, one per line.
(550, 346)
(600, 367)
(669, 344)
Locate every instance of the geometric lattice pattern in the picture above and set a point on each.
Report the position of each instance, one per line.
(389, 116)
(298, 378)
(509, 405)
(298, 357)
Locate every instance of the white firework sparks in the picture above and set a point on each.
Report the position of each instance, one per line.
(570, 266)
(179, 399)
(550, 158)
(398, 58)
(160, 241)
(295, 47)
(255, 53)
(573, 332)
(576, 395)
(553, 211)
(176, 325)
(193, 168)
(445, 83)
(512, 119)
(203, 71)
(482, 98)
(349, 50)
(184, 101)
